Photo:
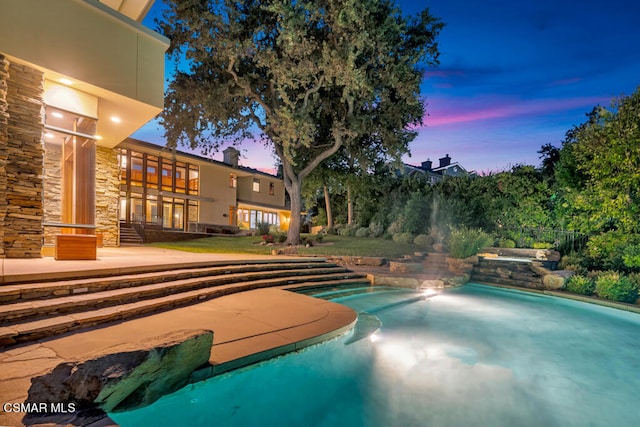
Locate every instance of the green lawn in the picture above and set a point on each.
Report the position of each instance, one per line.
(331, 245)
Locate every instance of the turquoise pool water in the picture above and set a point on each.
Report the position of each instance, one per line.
(473, 356)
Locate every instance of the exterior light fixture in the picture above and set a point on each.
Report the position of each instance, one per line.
(116, 119)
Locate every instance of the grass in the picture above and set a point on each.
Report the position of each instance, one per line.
(331, 245)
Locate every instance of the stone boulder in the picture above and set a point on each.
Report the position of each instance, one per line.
(126, 377)
(557, 279)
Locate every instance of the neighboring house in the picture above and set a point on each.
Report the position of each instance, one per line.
(173, 190)
(444, 168)
(76, 78)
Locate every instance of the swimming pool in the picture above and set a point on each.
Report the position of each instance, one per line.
(472, 356)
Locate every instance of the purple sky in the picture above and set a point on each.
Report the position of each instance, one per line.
(513, 76)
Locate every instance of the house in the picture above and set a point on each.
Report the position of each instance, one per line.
(444, 168)
(77, 77)
(172, 190)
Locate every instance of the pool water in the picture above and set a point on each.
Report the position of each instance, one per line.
(472, 356)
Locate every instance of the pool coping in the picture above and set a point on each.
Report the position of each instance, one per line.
(249, 327)
(582, 298)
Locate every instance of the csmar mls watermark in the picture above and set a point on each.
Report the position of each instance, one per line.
(40, 407)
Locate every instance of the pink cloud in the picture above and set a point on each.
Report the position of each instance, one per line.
(442, 73)
(442, 112)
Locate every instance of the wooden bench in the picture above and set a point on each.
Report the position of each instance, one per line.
(76, 247)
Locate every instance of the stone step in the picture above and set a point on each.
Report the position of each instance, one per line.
(46, 290)
(20, 311)
(39, 329)
(129, 235)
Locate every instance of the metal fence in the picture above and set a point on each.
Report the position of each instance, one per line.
(563, 240)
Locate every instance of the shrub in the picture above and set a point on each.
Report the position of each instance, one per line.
(396, 226)
(573, 261)
(506, 243)
(318, 237)
(612, 286)
(527, 242)
(262, 228)
(635, 279)
(543, 245)
(423, 240)
(362, 232)
(631, 256)
(465, 242)
(347, 230)
(606, 250)
(280, 237)
(579, 284)
(376, 229)
(403, 238)
(332, 230)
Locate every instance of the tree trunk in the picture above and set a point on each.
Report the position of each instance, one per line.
(294, 188)
(349, 206)
(327, 203)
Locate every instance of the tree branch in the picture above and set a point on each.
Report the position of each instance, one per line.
(311, 91)
(247, 89)
(322, 156)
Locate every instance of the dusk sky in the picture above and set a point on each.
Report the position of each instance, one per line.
(513, 76)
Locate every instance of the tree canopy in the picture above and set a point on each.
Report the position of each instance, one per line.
(598, 172)
(305, 77)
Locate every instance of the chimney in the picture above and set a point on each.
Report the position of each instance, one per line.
(231, 156)
(445, 161)
(427, 165)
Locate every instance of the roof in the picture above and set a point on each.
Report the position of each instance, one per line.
(164, 151)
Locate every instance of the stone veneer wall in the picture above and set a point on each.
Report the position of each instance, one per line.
(22, 228)
(107, 195)
(4, 140)
(52, 184)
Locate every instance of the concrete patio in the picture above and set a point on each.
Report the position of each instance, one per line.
(248, 326)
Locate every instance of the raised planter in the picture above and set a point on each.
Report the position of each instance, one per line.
(76, 247)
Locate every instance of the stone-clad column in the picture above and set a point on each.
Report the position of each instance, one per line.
(23, 229)
(4, 139)
(107, 194)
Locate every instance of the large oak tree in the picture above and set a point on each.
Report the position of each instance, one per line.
(307, 77)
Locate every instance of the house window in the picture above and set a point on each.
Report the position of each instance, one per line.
(123, 166)
(173, 213)
(194, 180)
(152, 210)
(272, 189)
(74, 136)
(123, 206)
(152, 172)
(167, 175)
(256, 185)
(136, 207)
(181, 177)
(233, 181)
(193, 211)
(136, 169)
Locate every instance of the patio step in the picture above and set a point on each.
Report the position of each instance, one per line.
(48, 309)
(110, 281)
(128, 235)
